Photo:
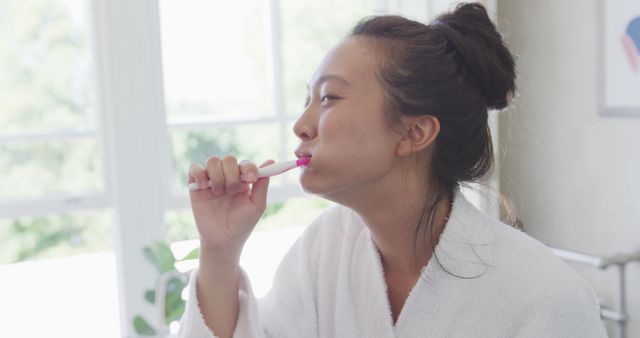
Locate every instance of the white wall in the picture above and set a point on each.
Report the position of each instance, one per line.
(572, 174)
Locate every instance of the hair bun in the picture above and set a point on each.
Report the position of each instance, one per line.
(481, 51)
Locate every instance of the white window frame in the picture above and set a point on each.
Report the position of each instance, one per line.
(60, 203)
(130, 98)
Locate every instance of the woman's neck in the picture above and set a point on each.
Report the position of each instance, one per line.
(400, 251)
(391, 209)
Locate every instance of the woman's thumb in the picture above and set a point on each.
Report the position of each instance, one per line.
(260, 187)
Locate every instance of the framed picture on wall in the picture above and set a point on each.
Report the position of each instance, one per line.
(620, 58)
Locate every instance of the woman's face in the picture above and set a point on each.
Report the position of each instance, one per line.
(343, 126)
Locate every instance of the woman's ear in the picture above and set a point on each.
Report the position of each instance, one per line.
(420, 134)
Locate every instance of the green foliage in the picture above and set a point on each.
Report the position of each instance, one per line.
(29, 238)
(162, 258)
(45, 53)
(39, 237)
(201, 146)
(150, 296)
(49, 167)
(142, 327)
(193, 254)
(45, 61)
(174, 303)
(197, 147)
(307, 39)
(272, 209)
(292, 212)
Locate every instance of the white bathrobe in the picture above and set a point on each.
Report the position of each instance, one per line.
(331, 284)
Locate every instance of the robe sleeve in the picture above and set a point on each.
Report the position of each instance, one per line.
(287, 310)
(573, 314)
(192, 323)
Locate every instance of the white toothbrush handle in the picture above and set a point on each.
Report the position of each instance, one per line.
(273, 169)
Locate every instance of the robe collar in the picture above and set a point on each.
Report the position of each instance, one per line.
(464, 250)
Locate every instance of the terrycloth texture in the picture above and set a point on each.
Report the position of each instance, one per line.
(331, 284)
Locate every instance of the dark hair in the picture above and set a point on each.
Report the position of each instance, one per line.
(456, 68)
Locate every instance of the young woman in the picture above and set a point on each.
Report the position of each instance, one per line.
(395, 120)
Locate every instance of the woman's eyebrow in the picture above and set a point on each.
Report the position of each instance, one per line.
(328, 77)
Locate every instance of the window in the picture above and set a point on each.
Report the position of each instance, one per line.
(50, 152)
(53, 192)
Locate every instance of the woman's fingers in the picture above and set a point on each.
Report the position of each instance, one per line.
(198, 175)
(260, 187)
(215, 175)
(226, 175)
(231, 171)
(249, 170)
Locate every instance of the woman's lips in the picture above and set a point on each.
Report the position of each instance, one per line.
(300, 153)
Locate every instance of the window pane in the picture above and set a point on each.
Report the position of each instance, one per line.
(45, 64)
(40, 168)
(215, 57)
(256, 142)
(29, 238)
(293, 212)
(307, 38)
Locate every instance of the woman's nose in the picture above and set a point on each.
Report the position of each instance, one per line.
(303, 128)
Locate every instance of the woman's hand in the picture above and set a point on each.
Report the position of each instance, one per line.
(227, 212)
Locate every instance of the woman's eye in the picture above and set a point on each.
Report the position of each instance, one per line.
(327, 98)
(323, 99)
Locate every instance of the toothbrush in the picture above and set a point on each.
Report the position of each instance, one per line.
(268, 171)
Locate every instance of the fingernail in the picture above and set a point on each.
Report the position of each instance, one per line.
(251, 177)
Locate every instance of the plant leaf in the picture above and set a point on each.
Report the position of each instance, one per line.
(172, 300)
(142, 327)
(160, 255)
(150, 296)
(174, 304)
(176, 312)
(272, 209)
(173, 284)
(193, 254)
(174, 294)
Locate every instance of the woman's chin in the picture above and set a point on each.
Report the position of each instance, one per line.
(306, 182)
(303, 180)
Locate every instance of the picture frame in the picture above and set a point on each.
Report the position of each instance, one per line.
(619, 50)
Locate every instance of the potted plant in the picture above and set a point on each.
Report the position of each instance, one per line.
(163, 259)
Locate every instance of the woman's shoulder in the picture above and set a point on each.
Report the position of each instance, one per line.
(531, 267)
(549, 293)
(519, 250)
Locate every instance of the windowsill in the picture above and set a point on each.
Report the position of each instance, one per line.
(73, 296)
(260, 258)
